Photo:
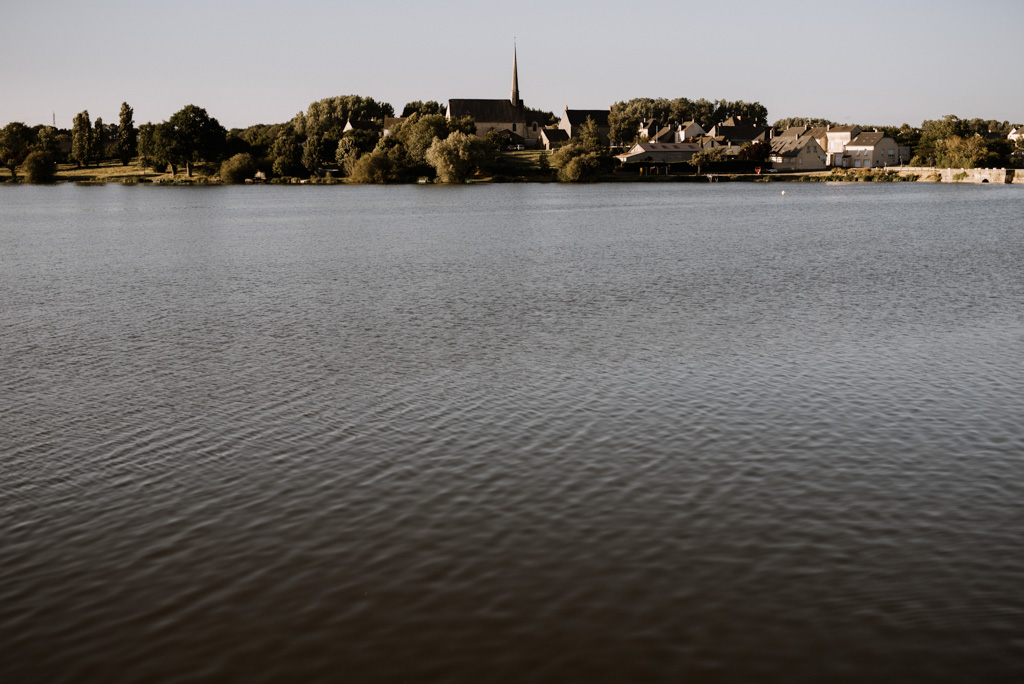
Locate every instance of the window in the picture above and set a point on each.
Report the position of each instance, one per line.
(513, 127)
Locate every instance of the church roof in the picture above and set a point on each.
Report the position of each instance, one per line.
(486, 110)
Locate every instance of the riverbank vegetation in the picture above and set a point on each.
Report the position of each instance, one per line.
(356, 139)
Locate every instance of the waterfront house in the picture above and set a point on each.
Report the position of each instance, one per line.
(797, 153)
(836, 139)
(645, 151)
(872, 150)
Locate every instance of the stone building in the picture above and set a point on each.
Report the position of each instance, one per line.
(500, 115)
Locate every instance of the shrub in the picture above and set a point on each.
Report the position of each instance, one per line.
(40, 167)
(585, 167)
(373, 167)
(238, 169)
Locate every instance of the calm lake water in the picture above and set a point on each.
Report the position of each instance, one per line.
(512, 433)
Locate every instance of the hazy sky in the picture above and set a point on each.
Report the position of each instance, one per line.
(255, 61)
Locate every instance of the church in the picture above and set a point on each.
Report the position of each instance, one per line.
(500, 115)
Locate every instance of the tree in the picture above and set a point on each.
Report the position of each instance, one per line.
(127, 142)
(40, 167)
(422, 108)
(703, 157)
(955, 152)
(81, 139)
(237, 169)
(99, 138)
(312, 154)
(583, 158)
(286, 153)
(374, 167)
(46, 140)
(14, 146)
(455, 157)
(191, 136)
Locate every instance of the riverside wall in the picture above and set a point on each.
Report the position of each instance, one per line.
(930, 174)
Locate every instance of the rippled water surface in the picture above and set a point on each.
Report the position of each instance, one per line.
(639, 433)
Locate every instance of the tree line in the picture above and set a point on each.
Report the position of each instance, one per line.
(343, 137)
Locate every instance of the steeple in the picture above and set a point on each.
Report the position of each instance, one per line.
(515, 78)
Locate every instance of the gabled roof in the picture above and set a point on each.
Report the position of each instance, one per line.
(391, 121)
(792, 132)
(867, 139)
(667, 147)
(555, 134)
(818, 132)
(665, 134)
(790, 146)
(578, 117)
(842, 129)
(486, 110)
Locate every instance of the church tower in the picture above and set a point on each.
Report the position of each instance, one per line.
(516, 102)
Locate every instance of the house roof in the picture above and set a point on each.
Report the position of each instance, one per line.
(555, 134)
(842, 129)
(486, 110)
(867, 139)
(578, 117)
(739, 133)
(790, 146)
(818, 132)
(665, 134)
(392, 121)
(792, 132)
(667, 147)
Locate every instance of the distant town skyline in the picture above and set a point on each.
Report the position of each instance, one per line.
(881, 63)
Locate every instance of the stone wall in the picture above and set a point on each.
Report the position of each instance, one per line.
(926, 174)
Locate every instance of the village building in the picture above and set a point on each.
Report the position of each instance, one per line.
(553, 138)
(573, 119)
(872, 150)
(837, 138)
(737, 131)
(647, 128)
(797, 153)
(653, 152)
(500, 115)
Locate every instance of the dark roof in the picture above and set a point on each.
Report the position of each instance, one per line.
(578, 117)
(740, 133)
(665, 135)
(486, 110)
(792, 132)
(867, 139)
(392, 121)
(790, 146)
(818, 132)
(842, 129)
(555, 134)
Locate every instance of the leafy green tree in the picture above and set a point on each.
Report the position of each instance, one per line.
(312, 154)
(374, 167)
(455, 157)
(705, 157)
(758, 151)
(40, 167)
(15, 138)
(955, 152)
(127, 142)
(328, 117)
(99, 138)
(286, 153)
(347, 154)
(191, 135)
(81, 139)
(423, 108)
(47, 141)
(583, 158)
(238, 168)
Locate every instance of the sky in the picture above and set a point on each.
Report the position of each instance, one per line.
(867, 62)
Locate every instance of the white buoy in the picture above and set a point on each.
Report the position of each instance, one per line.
(783, 192)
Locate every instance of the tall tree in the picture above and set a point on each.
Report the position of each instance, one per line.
(423, 108)
(14, 145)
(99, 147)
(127, 142)
(191, 135)
(81, 139)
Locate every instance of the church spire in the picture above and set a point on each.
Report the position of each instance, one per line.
(515, 78)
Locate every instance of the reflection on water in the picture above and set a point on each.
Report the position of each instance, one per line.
(512, 433)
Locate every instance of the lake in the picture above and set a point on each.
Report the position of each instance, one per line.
(510, 433)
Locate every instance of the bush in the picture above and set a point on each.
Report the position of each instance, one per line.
(237, 169)
(374, 167)
(585, 167)
(40, 167)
